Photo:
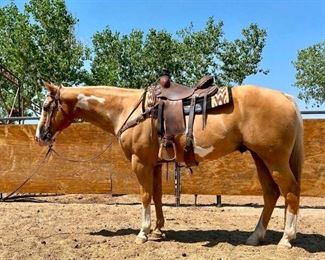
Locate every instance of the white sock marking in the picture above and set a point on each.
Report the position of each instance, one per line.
(291, 225)
(290, 230)
(146, 222)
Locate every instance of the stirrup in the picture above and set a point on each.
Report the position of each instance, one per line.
(163, 153)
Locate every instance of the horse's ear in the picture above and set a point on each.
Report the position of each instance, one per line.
(50, 87)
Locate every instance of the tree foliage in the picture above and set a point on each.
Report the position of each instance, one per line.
(310, 73)
(137, 59)
(14, 47)
(39, 43)
(241, 57)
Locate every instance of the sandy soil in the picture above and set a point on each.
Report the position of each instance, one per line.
(105, 227)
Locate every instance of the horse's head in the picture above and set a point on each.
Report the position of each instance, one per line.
(56, 115)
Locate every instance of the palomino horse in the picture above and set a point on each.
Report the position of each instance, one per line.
(265, 122)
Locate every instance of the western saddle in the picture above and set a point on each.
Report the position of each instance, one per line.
(174, 101)
(169, 103)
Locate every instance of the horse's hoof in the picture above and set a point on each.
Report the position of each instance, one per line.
(141, 239)
(285, 243)
(158, 234)
(253, 241)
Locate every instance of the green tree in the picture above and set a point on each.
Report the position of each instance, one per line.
(15, 42)
(198, 52)
(40, 43)
(137, 59)
(131, 60)
(241, 57)
(310, 73)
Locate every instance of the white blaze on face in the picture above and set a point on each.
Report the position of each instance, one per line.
(83, 101)
(41, 122)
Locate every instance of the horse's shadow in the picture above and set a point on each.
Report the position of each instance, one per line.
(310, 242)
(117, 233)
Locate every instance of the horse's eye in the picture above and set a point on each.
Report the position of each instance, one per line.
(46, 108)
(47, 105)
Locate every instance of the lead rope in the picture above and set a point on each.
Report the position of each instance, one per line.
(30, 176)
(82, 161)
(48, 153)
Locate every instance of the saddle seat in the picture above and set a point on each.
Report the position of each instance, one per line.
(173, 91)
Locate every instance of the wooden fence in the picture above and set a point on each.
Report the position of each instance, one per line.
(234, 174)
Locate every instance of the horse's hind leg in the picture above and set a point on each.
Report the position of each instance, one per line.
(145, 177)
(270, 194)
(157, 198)
(290, 190)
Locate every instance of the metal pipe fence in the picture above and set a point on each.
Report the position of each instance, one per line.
(25, 118)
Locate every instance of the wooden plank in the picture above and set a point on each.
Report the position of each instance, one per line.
(234, 174)
(23, 154)
(313, 177)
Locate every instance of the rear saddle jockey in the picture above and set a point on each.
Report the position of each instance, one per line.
(169, 103)
(175, 101)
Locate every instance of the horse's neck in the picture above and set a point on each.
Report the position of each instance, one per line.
(105, 107)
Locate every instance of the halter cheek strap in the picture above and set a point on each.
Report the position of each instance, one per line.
(55, 108)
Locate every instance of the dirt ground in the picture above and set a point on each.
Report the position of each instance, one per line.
(105, 227)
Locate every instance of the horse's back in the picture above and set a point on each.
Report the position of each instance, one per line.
(267, 100)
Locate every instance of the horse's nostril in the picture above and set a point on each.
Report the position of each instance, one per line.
(45, 135)
(48, 136)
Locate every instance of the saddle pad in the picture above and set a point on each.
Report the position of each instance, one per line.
(221, 97)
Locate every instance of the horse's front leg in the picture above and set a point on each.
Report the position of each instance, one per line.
(144, 174)
(157, 198)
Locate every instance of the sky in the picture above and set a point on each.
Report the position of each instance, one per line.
(290, 25)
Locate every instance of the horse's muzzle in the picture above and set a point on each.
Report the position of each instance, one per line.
(45, 137)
